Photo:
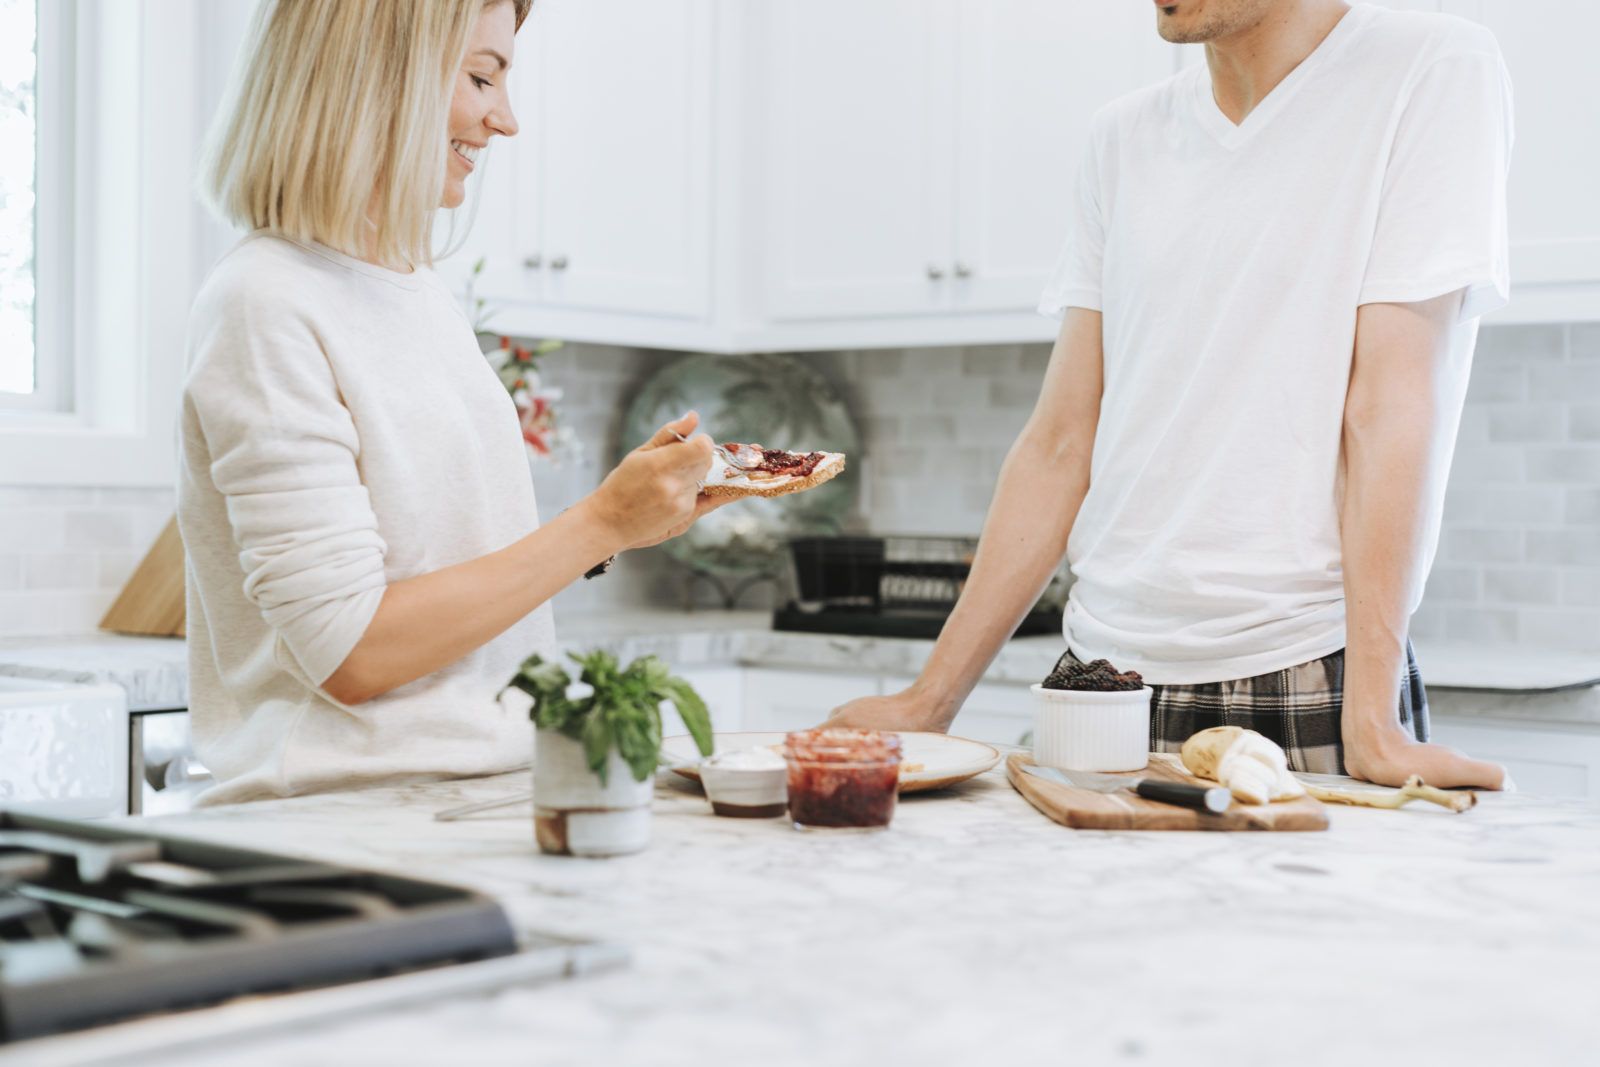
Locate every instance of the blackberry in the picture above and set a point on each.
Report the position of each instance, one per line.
(1099, 676)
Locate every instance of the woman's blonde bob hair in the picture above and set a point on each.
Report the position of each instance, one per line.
(337, 125)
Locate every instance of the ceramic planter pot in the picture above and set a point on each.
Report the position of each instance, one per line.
(574, 814)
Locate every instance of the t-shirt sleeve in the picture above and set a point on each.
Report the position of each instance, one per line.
(283, 454)
(1442, 214)
(1075, 280)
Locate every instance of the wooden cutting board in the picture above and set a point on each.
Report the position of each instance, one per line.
(1084, 809)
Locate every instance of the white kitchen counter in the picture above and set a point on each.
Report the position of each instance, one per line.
(975, 931)
(1517, 684)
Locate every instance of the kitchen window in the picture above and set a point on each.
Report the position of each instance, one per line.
(100, 115)
(36, 61)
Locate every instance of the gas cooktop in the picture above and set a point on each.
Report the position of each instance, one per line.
(100, 923)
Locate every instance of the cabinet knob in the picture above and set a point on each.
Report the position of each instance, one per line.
(558, 263)
(963, 271)
(935, 272)
(533, 262)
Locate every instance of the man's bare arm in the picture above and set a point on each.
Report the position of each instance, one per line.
(1394, 459)
(1036, 501)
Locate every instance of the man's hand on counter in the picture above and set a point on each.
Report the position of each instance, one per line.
(1389, 755)
(906, 710)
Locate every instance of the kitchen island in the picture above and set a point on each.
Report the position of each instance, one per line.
(976, 931)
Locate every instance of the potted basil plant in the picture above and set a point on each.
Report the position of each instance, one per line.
(597, 743)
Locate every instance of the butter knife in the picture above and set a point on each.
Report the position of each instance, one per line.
(1210, 800)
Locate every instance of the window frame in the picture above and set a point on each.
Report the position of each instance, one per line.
(56, 64)
(117, 250)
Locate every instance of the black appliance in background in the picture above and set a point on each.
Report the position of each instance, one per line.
(886, 587)
(100, 924)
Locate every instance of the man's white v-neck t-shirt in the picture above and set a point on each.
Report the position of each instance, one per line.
(1228, 262)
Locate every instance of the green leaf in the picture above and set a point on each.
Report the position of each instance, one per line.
(597, 745)
(692, 710)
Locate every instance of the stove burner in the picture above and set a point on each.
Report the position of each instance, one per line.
(98, 924)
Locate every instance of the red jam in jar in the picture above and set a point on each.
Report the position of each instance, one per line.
(842, 778)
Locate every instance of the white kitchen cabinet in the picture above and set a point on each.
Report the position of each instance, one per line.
(795, 700)
(997, 713)
(1542, 759)
(616, 152)
(1554, 214)
(722, 688)
(721, 176)
(1031, 74)
(725, 176)
(857, 185)
(600, 206)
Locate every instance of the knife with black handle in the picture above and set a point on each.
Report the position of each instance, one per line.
(1210, 800)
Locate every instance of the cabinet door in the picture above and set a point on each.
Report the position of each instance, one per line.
(1032, 74)
(722, 688)
(795, 700)
(997, 713)
(1554, 214)
(618, 156)
(1542, 760)
(855, 171)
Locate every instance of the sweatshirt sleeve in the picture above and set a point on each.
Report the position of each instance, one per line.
(283, 454)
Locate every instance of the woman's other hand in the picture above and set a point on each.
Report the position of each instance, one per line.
(654, 493)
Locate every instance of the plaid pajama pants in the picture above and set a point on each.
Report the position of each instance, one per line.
(1298, 707)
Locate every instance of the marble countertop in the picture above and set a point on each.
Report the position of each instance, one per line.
(155, 672)
(975, 930)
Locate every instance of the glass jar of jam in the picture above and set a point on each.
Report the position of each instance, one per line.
(842, 778)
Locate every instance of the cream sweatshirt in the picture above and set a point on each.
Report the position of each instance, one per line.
(340, 430)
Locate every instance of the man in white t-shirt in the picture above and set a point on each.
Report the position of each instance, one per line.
(1269, 301)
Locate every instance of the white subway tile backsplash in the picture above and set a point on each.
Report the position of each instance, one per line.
(113, 569)
(1584, 423)
(1580, 587)
(1517, 343)
(1455, 583)
(1557, 628)
(1521, 585)
(1491, 383)
(97, 528)
(30, 529)
(1586, 340)
(1583, 506)
(1519, 423)
(1523, 505)
(43, 496)
(1496, 626)
(1522, 511)
(1481, 546)
(1566, 380)
(1579, 546)
(59, 570)
(1487, 465)
(1565, 465)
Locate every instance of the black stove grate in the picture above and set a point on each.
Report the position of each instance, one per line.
(99, 924)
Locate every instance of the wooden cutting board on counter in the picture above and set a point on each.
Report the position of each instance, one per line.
(1084, 809)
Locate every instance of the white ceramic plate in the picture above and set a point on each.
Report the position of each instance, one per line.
(945, 760)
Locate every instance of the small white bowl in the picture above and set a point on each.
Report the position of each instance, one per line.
(1083, 730)
(740, 790)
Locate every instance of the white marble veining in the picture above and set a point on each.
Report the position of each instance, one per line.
(976, 931)
(154, 671)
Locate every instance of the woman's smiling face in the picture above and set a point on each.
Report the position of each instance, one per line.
(480, 107)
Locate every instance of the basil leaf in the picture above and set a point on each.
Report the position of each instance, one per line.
(692, 710)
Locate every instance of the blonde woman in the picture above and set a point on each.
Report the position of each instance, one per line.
(366, 564)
